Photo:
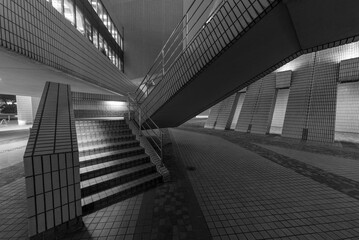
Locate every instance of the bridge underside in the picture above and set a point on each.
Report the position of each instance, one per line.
(292, 28)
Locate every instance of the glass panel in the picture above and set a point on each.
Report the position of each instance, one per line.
(94, 4)
(69, 11)
(100, 42)
(88, 32)
(95, 37)
(100, 10)
(80, 21)
(57, 4)
(105, 46)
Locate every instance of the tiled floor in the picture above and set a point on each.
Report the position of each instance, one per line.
(345, 167)
(218, 190)
(245, 196)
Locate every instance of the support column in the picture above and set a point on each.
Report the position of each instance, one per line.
(51, 163)
(264, 108)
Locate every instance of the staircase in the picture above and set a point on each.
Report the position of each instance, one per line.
(113, 165)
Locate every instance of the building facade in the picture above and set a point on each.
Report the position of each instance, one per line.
(314, 98)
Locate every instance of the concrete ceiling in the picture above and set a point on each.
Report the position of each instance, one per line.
(20, 75)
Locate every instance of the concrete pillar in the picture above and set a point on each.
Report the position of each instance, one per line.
(248, 108)
(322, 111)
(264, 108)
(225, 114)
(213, 115)
(51, 164)
(24, 110)
(298, 100)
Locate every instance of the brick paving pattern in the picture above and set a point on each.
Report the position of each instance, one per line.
(345, 167)
(218, 190)
(245, 196)
(13, 210)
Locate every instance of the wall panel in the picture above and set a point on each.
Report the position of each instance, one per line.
(36, 30)
(226, 113)
(248, 108)
(298, 100)
(264, 108)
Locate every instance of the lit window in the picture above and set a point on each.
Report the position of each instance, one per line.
(88, 31)
(69, 11)
(100, 42)
(100, 11)
(80, 21)
(105, 46)
(57, 4)
(94, 4)
(95, 37)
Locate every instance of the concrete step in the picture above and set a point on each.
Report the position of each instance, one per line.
(102, 133)
(103, 182)
(100, 128)
(105, 139)
(96, 170)
(117, 193)
(100, 148)
(99, 121)
(110, 180)
(97, 158)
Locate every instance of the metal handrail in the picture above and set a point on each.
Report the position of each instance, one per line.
(227, 22)
(160, 62)
(149, 125)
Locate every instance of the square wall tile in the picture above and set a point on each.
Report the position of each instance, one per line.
(29, 186)
(37, 165)
(39, 185)
(46, 163)
(54, 162)
(28, 167)
(40, 203)
(58, 216)
(50, 219)
(49, 201)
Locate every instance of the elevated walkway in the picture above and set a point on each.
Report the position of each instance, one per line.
(242, 43)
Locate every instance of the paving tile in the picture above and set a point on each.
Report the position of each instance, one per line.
(261, 192)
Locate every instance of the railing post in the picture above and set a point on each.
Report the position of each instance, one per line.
(186, 30)
(129, 108)
(139, 121)
(161, 148)
(163, 62)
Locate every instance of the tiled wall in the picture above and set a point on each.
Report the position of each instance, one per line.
(308, 110)
(347, 118)
(238, 107)
(35, 101)
(225, 113)
(36, 30)
(264, 108)
(89, 105)
(279, 111)
(213, 115)
(298, 100)
(51, 164)
(249, 106)
(24, 109)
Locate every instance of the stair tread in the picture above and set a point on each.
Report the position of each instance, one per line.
(120, 130)
(104, 138)
(103, 145)
(103, 194)
(108, 153)
(110, 176)
(103, 165)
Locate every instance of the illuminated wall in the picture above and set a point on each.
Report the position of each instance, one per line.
(38, 31)
(319, 102)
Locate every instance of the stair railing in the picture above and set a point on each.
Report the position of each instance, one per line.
(204, 32)
(146, 126)
(189, 26)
